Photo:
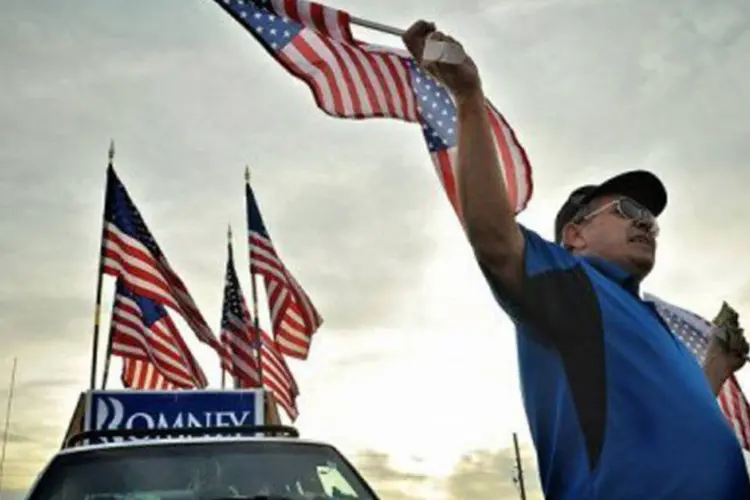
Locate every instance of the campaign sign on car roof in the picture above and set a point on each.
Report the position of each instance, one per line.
(131, 409)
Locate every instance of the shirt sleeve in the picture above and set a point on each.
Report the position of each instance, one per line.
(557, 298)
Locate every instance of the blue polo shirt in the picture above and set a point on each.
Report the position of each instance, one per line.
(618, 408)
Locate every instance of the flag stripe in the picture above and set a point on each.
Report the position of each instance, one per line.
(142, 330)
(139, 374)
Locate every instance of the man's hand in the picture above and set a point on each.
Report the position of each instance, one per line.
(461, 79)
(727, 350)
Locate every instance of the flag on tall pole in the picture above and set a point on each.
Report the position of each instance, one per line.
(251, 355)
(239, 356)
(131, 253)
(694, 331)
(294, 318)
(155, 354)
(354, 79)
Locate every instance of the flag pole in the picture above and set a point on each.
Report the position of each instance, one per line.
(229, 254)
(254, 289)
(6, 431)
(108, 358)
(434, 50)
(383, 28)
(100, 275)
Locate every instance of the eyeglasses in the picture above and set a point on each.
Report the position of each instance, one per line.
(627, 209)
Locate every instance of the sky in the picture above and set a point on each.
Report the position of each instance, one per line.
(413, 343)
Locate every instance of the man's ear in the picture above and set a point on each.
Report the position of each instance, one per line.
(572, 238)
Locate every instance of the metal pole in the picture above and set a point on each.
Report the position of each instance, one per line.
(6, 431)
(519, 467)
(227, 355)
(254, 291)
(108, 358)
(100, 272)
(383, 28)
(434, 50)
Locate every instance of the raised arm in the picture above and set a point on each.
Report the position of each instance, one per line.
(488, 215)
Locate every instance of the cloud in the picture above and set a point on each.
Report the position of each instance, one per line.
(611, 83)
(388, 481)
(490, 474)
(376, 239)
(44, 320)
(14, 437)
(480, 475)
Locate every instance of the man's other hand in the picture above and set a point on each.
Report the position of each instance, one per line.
(728, 348)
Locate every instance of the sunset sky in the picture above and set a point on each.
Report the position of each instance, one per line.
(414, 372)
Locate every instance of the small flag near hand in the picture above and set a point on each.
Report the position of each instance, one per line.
(353, 79)
(695, 331)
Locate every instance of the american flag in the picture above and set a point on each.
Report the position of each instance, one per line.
(352, 79)
(130, 253)
(155, 354)
(139, 374)
(293, 315)
(241, 341)
(278, 377)
(694, 331)
(239, 353)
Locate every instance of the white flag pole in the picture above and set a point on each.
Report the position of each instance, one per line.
(383, 28)
(434, 50)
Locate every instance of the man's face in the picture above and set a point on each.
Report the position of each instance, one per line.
(617, 230)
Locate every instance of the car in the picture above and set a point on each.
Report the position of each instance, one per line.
(247, 462)
(191, 445)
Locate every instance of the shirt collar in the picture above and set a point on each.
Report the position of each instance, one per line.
(616, 274)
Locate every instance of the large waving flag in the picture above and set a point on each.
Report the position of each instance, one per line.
(694, 331)
(154, 353)
(353, 79)
(293, 314)
(131, 254)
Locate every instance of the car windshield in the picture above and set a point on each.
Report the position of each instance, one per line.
(203, 471)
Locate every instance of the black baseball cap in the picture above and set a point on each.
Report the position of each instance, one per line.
(639, 185)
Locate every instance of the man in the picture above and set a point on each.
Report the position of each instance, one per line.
(617, 406)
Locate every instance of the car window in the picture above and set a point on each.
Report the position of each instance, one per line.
(334, 483)
(203, 471)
